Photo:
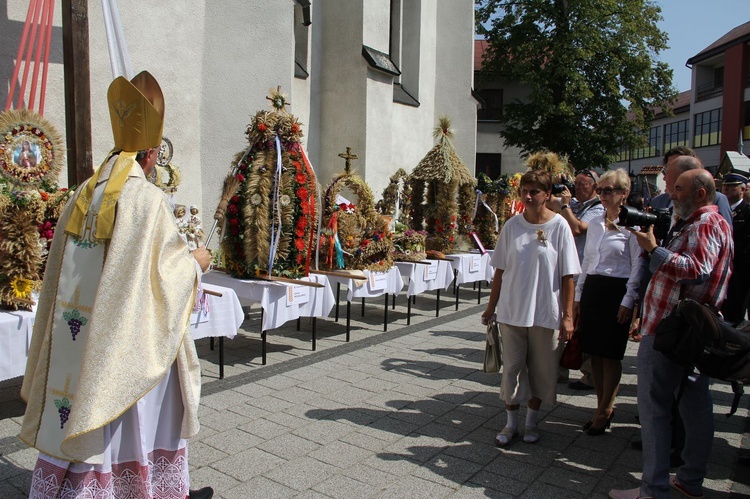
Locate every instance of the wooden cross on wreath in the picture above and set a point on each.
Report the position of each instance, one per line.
(348, 157)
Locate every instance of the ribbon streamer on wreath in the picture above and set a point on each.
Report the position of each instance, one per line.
(313, 234)
(476, 207)
(276, 207)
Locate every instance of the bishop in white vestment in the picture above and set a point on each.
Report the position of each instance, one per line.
(112, 382)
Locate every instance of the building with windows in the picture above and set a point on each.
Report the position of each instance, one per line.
(713, 117)
(493, 156)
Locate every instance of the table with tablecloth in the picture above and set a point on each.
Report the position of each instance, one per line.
(470, 268)
(222, 318)
(15, 338)
(426, 275)
(280, 301)
(374, 284)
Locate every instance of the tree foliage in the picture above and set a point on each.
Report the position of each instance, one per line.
(591, 67)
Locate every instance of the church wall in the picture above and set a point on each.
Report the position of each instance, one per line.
(454, 65)
(217, 60)
(339, 86)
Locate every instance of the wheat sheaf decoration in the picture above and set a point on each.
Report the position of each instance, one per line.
(442, 194)
(271, 213)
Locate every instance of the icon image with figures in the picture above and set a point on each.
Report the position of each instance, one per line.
(26, 154)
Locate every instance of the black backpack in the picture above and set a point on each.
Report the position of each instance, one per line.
(695, 337)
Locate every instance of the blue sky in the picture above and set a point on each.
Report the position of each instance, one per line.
(693, 25)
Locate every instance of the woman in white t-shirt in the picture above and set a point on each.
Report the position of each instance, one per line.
(532, 294)
(605, 294)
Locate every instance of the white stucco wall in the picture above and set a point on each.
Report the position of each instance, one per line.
(454, 37)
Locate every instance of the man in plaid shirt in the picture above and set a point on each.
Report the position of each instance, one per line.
(699, 257)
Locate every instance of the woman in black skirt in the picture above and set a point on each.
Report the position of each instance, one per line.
(605, 294)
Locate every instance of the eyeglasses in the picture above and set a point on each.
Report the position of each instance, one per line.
(607, 190)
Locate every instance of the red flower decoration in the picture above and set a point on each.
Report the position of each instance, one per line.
(295, 128)
(300, 258)
(262, 127)
(342, 206)
(300, 177)
(297, 165)
(44, 195)
(302, 222)
(299, 232)
(299, 244)
(351, 206)
(302, 193)
(234, 231)
(234, 222)
(235, 199)
(305, 207)
(365, 242)
(240, 177)
(232, 209)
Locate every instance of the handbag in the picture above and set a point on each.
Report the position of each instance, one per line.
(572, 358)
(493, 358)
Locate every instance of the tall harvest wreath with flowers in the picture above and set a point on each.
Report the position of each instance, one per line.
(31, 154)
(272, 218)
(443, 194)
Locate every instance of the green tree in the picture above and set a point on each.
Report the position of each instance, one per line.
(591, 68)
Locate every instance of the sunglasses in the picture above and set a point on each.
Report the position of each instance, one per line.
(590, 174)
(607, 190)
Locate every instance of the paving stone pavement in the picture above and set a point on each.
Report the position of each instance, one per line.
(403, 413)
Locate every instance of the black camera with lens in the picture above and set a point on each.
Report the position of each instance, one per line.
(564, 184)
(660, 218)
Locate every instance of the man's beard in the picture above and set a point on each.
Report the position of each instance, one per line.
(683, 209)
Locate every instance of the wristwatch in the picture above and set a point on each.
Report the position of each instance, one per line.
(564, 207)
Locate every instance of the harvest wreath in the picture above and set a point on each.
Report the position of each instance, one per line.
(354, 237)
(270, 221)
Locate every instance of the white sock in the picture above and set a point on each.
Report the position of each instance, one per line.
(531, 418)
(512, 419)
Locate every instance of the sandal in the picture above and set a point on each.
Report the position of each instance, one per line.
(530, 435)
(505, 437)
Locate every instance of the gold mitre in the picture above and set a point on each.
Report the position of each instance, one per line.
(136, 109)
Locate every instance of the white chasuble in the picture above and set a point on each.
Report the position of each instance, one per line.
(111, 323)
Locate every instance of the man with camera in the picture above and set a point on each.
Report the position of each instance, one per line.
(697, 263)
(734, 186)
(578, 208)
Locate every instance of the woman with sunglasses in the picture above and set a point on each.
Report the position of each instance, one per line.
(532, 294)
(605, 294)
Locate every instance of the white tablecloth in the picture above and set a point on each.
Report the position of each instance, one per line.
(273, 297)
(15, 337)
(364, 289)
(224, 319)
(224, 315)
(417, 273)
(490, 268)
(471, 267)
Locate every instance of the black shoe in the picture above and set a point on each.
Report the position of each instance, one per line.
(595, 432)
(579, 385)
(637, 444)
(204, 493)
(587, 425)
